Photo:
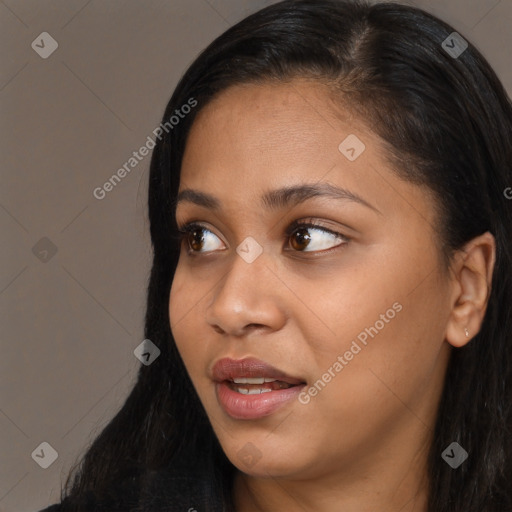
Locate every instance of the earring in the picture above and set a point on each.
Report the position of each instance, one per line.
(466, 331)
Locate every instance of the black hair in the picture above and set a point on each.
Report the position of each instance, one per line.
(446, 122)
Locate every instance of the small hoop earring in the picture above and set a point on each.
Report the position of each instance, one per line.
(466, 331)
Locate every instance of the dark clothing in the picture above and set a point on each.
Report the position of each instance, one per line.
(154, 491)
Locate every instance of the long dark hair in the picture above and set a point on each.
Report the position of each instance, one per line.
(447, 124)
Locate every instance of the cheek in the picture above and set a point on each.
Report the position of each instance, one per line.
(176, 300)
(182, 302)
(391, 364)
(188, 325)
(360, 305)
(386, 321)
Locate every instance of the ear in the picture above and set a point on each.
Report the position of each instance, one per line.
(472, 272)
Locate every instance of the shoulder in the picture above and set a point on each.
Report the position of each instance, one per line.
(178, 488)
(163, 490)
(121, 496)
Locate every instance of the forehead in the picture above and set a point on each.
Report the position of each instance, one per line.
(253, 138)
(276, 117)
(258, 129)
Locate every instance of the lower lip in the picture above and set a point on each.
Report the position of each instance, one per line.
(250, 407)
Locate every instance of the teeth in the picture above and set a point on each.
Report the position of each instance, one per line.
(252, 380)
(245, 391)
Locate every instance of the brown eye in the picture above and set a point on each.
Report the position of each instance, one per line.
(303, 237)
(196, 239)
(199, 239)
(300, 239)
(309, 237)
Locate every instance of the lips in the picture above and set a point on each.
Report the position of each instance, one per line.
(250, 388)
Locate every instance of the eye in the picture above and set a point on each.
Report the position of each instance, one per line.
(192, 233)
(303, 239)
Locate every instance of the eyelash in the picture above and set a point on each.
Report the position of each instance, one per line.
(184, 231)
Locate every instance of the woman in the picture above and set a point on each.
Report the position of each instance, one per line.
(331, 289)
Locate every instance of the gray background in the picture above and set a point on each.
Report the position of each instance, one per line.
(71, 320)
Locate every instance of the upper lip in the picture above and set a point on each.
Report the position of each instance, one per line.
(230, 369)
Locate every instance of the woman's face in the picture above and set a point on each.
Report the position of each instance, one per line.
(352, 312)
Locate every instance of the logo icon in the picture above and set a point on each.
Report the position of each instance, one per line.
(44, 249)
(454, 455)
(249, 249)
(45, 455)
(249, 454)
(146, 352)
(455, 45)
(44, 45)
(352, 147)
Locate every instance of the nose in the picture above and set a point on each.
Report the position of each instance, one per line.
(246, 298)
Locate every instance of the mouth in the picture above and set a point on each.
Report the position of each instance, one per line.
(256, 385)
(251, 389)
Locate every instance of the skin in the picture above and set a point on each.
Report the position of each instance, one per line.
(361, 443)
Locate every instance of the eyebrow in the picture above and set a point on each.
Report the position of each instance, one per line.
(280, 198)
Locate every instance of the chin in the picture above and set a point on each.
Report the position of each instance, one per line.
(259, 456)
